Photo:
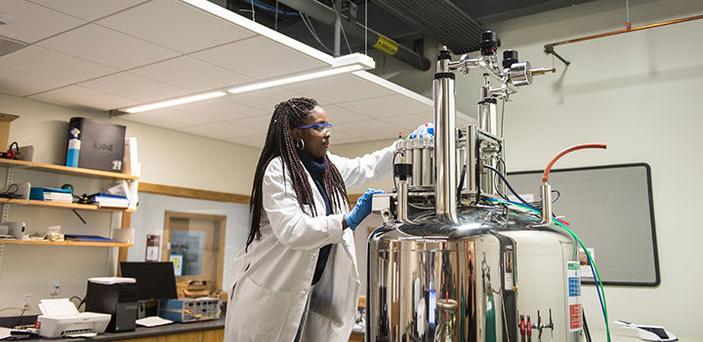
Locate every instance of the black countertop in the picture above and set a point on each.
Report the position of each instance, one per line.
(175, 328)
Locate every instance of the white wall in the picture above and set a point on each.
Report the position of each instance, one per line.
(168, 157)
(149, 219)
(637, 92)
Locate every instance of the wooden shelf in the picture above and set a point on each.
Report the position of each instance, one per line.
(61, 205)
(65, 243)
(65, 169)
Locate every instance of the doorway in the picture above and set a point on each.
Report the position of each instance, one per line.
(195, 244)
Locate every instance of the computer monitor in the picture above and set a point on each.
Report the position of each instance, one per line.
(155, 280)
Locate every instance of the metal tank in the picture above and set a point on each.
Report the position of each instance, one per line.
(452, 262)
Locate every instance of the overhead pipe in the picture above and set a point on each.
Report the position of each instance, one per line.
(549, 48)
(328, 15)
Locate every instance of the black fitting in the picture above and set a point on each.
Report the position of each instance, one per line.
(509, 58)
(402, 171)
(444, 75)
(489, 43)
(489, 100)
(444, 54)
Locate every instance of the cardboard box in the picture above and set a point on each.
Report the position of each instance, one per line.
(5, 120)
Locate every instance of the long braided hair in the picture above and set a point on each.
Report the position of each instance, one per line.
(280, 143)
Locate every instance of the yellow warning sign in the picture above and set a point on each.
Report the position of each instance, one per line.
(386, 45)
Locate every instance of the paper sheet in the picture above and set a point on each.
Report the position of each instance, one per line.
(57, 307)
(4, 333)
(153, 321)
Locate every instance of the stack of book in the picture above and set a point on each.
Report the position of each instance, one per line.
(104, 199)
(51, 194)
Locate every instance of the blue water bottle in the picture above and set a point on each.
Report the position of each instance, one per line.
(74, 148)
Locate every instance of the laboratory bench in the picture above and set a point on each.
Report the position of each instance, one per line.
(208, 331)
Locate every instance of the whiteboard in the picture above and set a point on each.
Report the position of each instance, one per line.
(611, 208)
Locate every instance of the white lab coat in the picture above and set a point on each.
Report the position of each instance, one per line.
(272, 280)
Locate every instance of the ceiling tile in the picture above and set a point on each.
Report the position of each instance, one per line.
(33, 22)
(88, 9)
(175, 25)
(135, 87)
(190, 73)
(168, 118)
(105, 46)
(258, 125)
(264, 99)
(18, 83)
(260, 58)
(220, 130)
(339, 89)
(220, 110)
(387, 106)
(84, 98)
(339, 115)
(43, 62)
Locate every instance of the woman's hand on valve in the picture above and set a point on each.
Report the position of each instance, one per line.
(424, 130)
(362, 208)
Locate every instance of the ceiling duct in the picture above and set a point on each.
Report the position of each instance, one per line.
(441, 19)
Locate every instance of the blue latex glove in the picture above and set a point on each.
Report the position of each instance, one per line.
(362, 208)
(424, 130)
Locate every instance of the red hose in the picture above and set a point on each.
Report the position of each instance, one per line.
(548, 168)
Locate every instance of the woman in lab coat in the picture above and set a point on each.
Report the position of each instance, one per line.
(297, 278)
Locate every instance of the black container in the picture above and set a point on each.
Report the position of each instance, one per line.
(102, 144)
(118, 300)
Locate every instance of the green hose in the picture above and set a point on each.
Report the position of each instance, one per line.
(599, 282)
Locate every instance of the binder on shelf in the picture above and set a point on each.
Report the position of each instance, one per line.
(104, 199)
(87, 238)
(51, 194)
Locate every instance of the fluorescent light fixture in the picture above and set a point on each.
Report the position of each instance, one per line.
(295, 79)
(174, 102)
(340, 65)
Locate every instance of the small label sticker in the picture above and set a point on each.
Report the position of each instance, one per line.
(508, 266)
(586, 271)
(573, 270)
(386, 45)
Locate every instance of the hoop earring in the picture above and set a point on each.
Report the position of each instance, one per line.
(300, 144)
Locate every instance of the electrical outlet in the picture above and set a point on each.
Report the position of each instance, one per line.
(27, 301)
(54, 288)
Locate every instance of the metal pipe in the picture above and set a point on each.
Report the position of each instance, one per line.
(337, 30)
(487, 123)
(402, 207)
(471, 161)
(417, 162)
(621, 31)
(546, 204)
(487, 117)
(328, 15)
(427, 168)
(445, 139)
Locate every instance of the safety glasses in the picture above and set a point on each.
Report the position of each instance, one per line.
(319, 127)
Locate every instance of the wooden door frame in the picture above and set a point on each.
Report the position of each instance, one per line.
(178, 191)
(221, 233)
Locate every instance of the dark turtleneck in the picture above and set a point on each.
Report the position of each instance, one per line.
(316, 168)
